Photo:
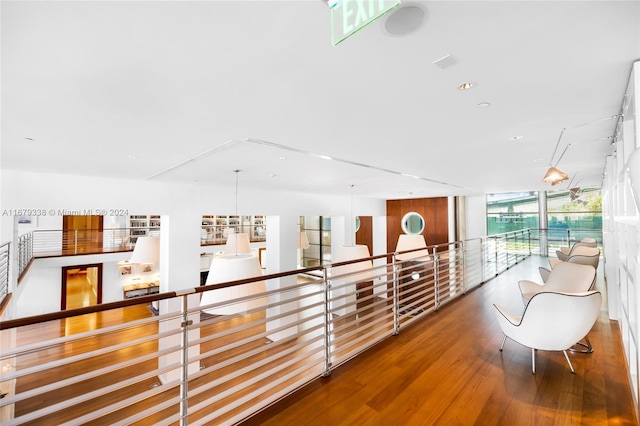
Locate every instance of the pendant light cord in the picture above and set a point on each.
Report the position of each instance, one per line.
(237, 171)
(555, 151)
(352, 221)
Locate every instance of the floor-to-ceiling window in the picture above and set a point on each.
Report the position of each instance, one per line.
(573, 214)
(512, 211)
(318, 230)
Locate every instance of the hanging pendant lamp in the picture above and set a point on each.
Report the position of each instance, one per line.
(554, 176)
(237, 263)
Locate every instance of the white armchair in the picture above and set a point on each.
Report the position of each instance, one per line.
(565, 277)
(585, 242)
(581, 254)
(551, 322)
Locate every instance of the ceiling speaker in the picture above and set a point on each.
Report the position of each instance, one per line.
(404, 20)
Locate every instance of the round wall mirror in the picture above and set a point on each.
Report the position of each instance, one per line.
(357, 224)
(412, 223)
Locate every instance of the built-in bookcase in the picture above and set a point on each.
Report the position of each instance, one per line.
(216, 228)
(143, 225)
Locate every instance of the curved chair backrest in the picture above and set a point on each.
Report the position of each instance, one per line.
(591, 242)
(585, 255)
(565, 252)
(564, 277)
(567, 277)
(554, 321)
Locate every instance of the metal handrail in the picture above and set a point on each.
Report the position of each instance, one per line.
(210, 368)
(5, 256)
(312, 323)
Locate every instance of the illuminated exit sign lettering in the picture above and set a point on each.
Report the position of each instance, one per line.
(350, 16)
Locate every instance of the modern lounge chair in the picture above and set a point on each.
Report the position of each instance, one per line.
(551, 322)
(565, 277)
(581, 254)
(565, 252)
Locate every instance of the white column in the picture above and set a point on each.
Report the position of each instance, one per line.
(179, 271)
(281, 253)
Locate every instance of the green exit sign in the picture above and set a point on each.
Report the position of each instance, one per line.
(350, 16)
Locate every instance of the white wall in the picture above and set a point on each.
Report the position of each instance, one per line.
(41, 289)
(621, 231)
(476, 207)
(181, 207)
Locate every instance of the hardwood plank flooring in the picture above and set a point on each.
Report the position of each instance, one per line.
(52, 329)
(442, 370)
(447, 370)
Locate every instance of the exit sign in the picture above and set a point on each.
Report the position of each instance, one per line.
(350, 16)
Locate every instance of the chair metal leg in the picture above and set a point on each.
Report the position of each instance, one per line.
(504, 339)
(583, 347)
(570, 366)
(533, 361)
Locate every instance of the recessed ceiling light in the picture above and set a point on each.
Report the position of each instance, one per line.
(483, 104)
(283, 157)
(516, 138)
(132, 157)
(466, 85)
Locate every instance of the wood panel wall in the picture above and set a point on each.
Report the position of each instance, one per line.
(364, 235)
(435, 212)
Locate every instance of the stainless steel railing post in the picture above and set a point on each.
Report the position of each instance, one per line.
(436, 277)
(463, 255)
(395, 295)
(184, 358)
(327, 323)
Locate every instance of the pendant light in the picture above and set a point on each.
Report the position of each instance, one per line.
(554, 175)
(237, 263)
(234, 267)
(237, 242)
(408, 242)
(344, 297)
(303, 240)
(146, 252)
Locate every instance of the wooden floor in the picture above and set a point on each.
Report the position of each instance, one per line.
(447, 370)
(79, 291)
(443, 370)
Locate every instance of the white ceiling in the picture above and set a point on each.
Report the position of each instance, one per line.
(189, 91)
